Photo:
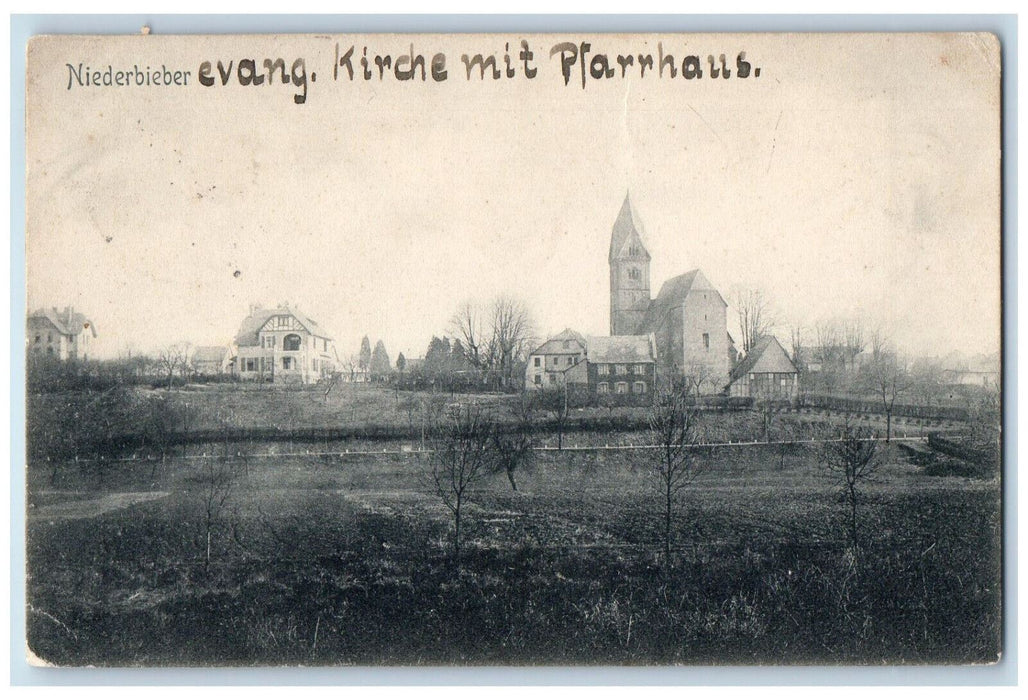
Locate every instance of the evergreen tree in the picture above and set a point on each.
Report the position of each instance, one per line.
(364, 359)
(380, 364)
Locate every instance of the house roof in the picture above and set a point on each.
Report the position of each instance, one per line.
(621, 348)
(627, 228)
(765, 357)
(556, 343)
(210, 353)
(68, 321)
(252, 324)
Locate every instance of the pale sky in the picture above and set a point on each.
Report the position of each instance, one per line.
(858, 175)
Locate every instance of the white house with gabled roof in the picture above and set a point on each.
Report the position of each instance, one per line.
(283, 345)
(64, 335)
(549, 363)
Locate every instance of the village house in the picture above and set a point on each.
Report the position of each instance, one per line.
(549, 363)
(65, 335)
(688, 318)
(766, 373)
(598, 368)
(622, 369)
(283, 345)
(212, 360)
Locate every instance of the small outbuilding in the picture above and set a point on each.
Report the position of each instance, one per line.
(766, 372)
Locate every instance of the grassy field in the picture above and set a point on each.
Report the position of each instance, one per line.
(345, 560)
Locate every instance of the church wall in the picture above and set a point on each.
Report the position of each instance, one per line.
(704, 319)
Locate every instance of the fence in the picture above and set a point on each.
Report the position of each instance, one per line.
(866, 405)
(415, 451)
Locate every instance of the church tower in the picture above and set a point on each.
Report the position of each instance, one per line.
(629, 273)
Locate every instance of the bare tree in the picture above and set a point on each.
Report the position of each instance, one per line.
(433, 413)
(925, 383)
(469, 326)
(828, 355)
(698, 377)
(217, 480)
(756, 315)
(886, 377)
(796, 344)
(511, 328)
(854, 340)
(555, 401)
(848, 454)
(172, 359)
(512, 444)
(351, 364)
(459, 461)
(767, 408)
(674, 424)
(785, 435)
(329, 383)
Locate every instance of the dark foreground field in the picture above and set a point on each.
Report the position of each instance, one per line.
(345, 561)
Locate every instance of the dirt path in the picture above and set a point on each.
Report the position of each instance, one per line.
(90, 508)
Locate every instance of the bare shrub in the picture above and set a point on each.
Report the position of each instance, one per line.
(460, 460)
(848, 453)
(674, 424)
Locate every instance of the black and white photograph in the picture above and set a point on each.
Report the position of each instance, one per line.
(513, 350)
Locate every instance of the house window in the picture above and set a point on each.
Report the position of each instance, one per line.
(536, 361)
(633, 273)
(571, 361)
(639, 388)
(706, 341)
(291, 342)
(287, 363)
(602, 369)
(556, 360)
(281, 322)
(314, 364)
(603, 388)
(538, 379)
(622, 387)
(251, 365)
(620, 369)
(37, 338)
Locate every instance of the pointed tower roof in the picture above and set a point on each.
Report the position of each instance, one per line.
(627, 229)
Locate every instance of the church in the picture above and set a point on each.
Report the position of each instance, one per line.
(688, 318)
